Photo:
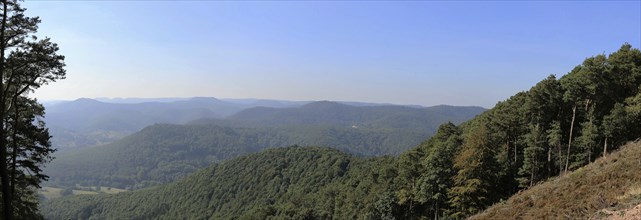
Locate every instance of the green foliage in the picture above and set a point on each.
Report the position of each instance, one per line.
(461, 170)
(606, 184)
(282, 183)
(475, 180)
(165, 153)
(26, 63)
(439, 170)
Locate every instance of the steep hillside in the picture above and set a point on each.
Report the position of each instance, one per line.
(282, 183)
(605, 188)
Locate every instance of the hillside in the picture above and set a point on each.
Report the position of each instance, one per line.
(164, 153)
(282, 183)
(338, 114)
(555, 127)
(87, 122)
(605, 188)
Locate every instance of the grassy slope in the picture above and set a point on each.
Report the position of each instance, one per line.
(609, 184)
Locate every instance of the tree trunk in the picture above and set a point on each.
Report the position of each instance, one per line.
(532, 175)
(589, 154)
(605, 147)
(560, 149)
(567, 157)
(436, 212)
(549, 164)
(4, 175)
(515, 152)
(14, 156)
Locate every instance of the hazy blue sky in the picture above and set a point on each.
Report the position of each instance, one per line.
(427, 53)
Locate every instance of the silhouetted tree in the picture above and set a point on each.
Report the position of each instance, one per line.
(26, 63)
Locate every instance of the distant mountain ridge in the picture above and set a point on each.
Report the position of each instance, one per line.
(88, 122)
(340, 114)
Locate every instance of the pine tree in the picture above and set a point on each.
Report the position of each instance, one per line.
(474, 185)
(437, 177)
(26, 63)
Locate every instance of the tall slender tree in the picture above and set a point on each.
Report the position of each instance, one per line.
(26, 63)
(474, 185)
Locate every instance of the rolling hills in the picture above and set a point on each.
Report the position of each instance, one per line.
(163, 153)
(87, 122)
(556, 127)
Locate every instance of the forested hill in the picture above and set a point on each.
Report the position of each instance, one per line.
(343, 115)
(281, 183)
(554, 128)
(163, 153)
(87, 122)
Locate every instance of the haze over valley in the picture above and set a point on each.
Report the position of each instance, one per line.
(372, 110)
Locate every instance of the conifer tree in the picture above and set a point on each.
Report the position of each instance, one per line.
(26, 63)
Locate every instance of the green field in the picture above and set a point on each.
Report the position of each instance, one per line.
(53, 192)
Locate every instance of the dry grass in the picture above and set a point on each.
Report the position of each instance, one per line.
(606, 186)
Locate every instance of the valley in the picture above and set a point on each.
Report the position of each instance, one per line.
(305, 110)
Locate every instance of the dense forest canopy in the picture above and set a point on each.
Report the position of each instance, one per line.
(164, 153)
(557, 126)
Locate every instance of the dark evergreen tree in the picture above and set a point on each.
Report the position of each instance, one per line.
(26, 63)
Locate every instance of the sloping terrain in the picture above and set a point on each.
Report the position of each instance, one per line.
(606, 188)
(163, 153)
(281, 183)
(87, 122)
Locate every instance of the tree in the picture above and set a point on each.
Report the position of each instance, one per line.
(532, 157)
(555, 138)
(587, 141)
(26, 63)
(409, 171)
(29, 148)
(437, 177)
(474, 185)
(543, 106)
(577, 87)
